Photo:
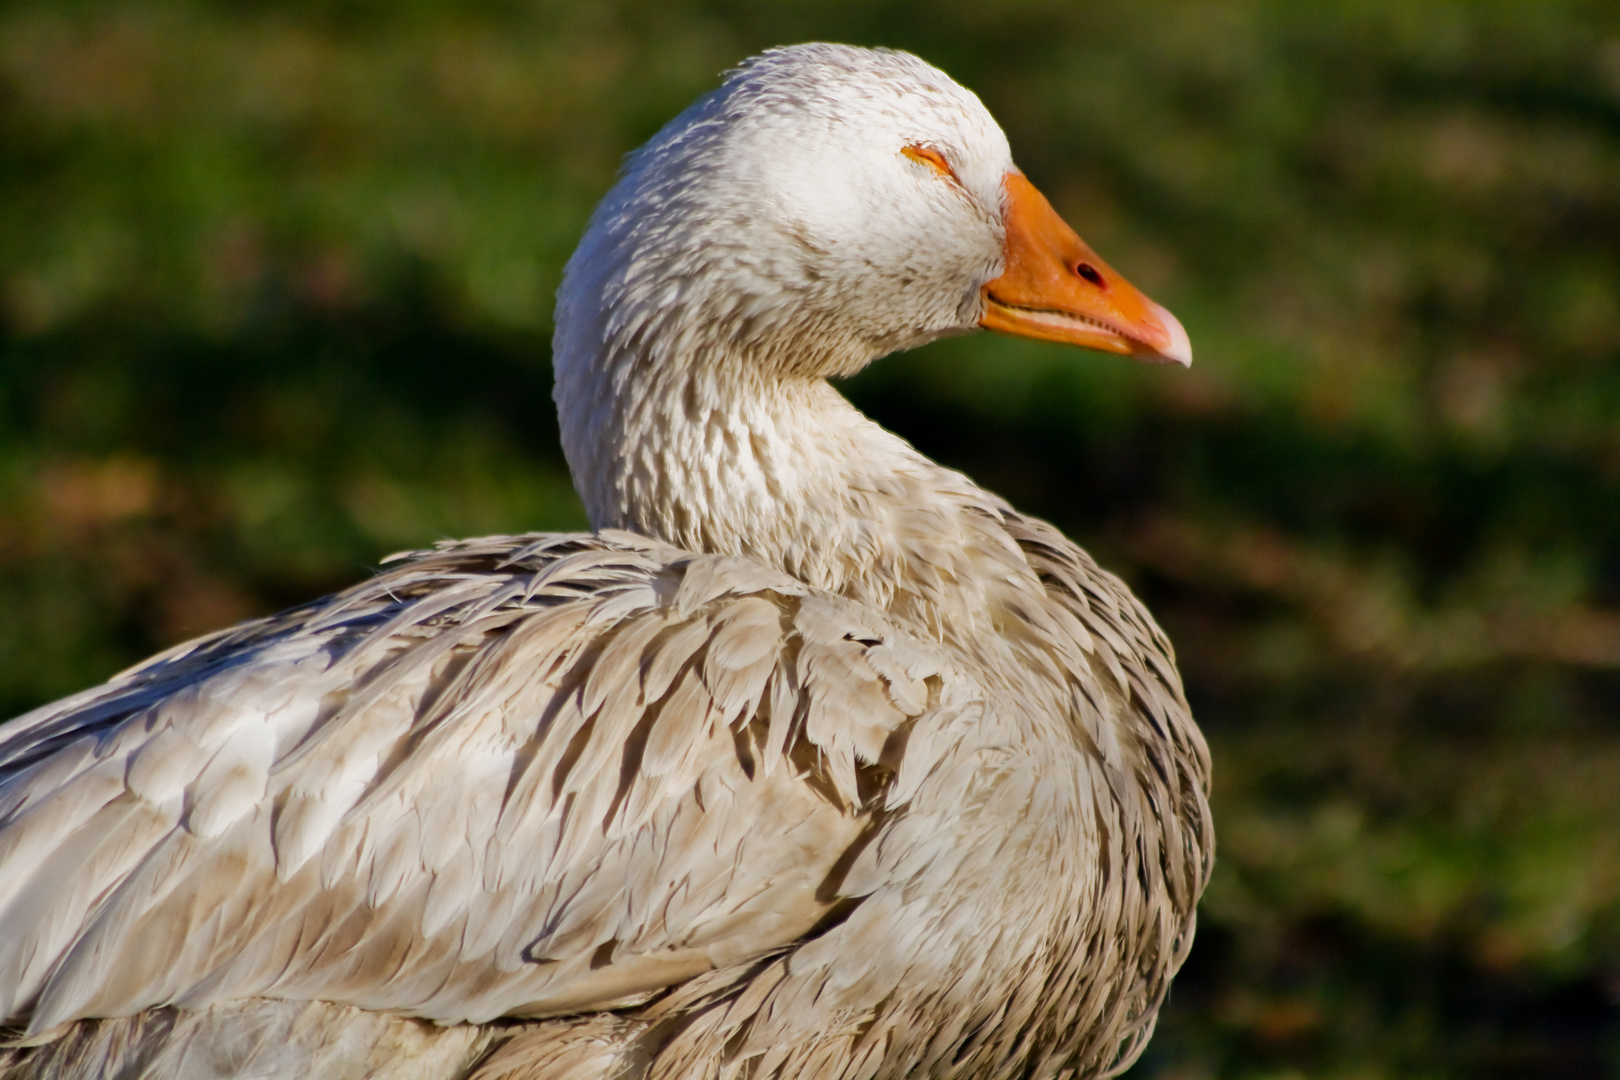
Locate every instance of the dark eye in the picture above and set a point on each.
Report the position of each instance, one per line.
(1089, 272)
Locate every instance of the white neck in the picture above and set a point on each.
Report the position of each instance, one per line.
(782, 470)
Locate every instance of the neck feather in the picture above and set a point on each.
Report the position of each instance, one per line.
(785, 471)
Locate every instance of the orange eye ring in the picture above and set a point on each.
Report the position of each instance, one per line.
(935, 160)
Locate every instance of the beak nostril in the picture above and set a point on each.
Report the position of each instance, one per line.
(1090, 273)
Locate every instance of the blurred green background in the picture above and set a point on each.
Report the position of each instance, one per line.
(275, 290)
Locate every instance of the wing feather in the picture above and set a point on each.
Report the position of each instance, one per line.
(514, 776)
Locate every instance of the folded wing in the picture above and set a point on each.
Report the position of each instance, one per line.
(519, 776)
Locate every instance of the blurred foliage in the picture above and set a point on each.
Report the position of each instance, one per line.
(275, 286)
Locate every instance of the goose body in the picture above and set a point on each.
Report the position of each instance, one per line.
(814, 760)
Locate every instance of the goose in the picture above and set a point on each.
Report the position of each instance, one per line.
(813, 760)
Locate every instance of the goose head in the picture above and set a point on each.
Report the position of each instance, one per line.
(824, 206)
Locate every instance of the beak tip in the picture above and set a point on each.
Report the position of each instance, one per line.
(1179, 348)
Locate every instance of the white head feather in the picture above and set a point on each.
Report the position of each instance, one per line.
(778, 219)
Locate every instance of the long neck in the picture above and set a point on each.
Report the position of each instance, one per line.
(785, 471)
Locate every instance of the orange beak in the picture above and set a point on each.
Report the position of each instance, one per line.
(1056, 289)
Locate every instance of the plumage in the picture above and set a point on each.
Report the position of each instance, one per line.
(814, 760)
